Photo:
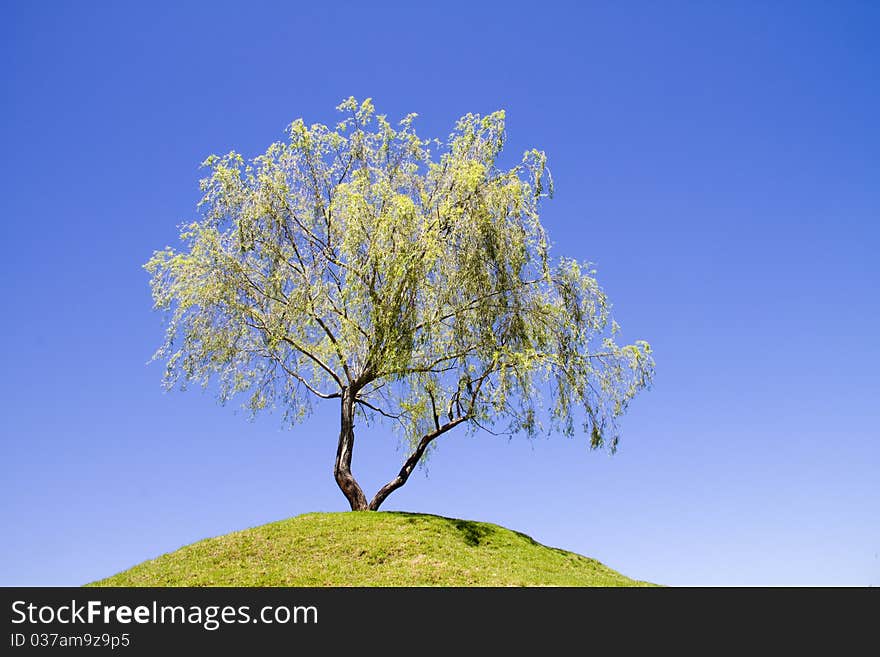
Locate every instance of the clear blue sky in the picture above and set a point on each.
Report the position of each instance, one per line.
(719, 162)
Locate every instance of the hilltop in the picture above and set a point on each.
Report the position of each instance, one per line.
(370, 549)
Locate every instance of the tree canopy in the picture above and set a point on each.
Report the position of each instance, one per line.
(409, 278)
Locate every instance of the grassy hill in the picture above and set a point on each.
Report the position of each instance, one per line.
(370, 549)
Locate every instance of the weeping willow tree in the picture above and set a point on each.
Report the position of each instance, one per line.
(409, 279)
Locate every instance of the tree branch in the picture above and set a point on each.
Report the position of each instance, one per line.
(470, 304)
(302, 380)
(410, 464)
(303, 351)
(332, 337)
(364, 402)
(317, 360)
(434, 409)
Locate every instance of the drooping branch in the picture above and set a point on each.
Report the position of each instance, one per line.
(473, 302)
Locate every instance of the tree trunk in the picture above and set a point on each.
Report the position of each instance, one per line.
(342, 470)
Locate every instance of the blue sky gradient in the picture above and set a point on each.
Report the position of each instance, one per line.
(717, 161)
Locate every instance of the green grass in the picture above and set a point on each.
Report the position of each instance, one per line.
(370, 549)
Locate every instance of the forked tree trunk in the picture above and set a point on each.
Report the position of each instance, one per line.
(342, 469)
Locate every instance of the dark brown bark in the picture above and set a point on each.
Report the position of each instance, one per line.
(342, 470)
(410, 464)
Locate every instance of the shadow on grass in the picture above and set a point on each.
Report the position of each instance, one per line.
(472, 532)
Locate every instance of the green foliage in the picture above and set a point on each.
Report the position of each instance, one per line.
(413, 272)
(371, 549)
